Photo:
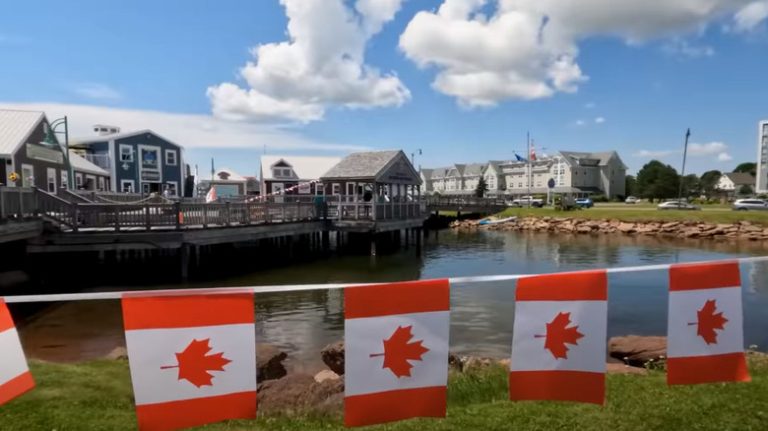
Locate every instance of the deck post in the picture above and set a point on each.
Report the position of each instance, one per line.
(227, 211)
(147, 221)
(75, 217)
(177, 211)
(116, 213)
(21, 205)
(205, 216)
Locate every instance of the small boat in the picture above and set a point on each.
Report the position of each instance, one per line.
(490, 221)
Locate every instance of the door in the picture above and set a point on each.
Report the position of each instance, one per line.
(51, 181)
(27, 175)
(277, 191)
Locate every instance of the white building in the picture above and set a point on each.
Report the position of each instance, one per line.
(299, 174)
(762, 157)
(577, 173)
(732, 183)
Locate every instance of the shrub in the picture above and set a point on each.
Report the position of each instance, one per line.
(599, 198)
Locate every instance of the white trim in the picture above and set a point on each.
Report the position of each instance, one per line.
(64, 178)
(78, 180)
(175, 157)
(175, 185)
(25, 178)
(159, 169)
(113, 164)
(100, 184)
(124, 182)
(49, 177)
(131, 151)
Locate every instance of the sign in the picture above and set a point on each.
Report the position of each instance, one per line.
(38, 152)
(150, 176)
(551, 183)
(13, 177)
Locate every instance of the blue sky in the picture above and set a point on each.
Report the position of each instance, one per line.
(463, 80)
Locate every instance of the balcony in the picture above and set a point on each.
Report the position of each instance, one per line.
(101, 160)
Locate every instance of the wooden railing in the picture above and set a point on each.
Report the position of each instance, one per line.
(464, 201)
(76, 215)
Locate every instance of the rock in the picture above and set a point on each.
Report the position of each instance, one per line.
(326, 375)
(300, 393)
(118, 353)
(584, 229)
(269, 362)
(637, 350)
(613, 368)
(626, 227)
(333, 357)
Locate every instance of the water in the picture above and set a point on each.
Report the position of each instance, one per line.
(301, 323)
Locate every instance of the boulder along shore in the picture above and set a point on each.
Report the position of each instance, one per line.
(743, 230)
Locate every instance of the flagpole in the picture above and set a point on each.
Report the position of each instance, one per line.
(530, 166)
(682, 173)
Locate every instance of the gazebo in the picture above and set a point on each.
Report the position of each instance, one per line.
(377, 185)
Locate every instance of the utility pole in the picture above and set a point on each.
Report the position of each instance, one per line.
(682, 173)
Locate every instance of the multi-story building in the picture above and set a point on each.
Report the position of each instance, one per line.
(762, 157)
(576, 173)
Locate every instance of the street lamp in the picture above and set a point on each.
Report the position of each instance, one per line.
(55, 124)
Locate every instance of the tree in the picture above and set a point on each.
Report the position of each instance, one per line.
(657, 181)
(708, 182)
(745, 190)
(630, 185)
(747, 168)
(691, 185)
(481, 188)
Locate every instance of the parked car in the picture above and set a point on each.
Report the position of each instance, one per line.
(584, 202)
(675, 205)
(527, 201)
(750, 204)
(631, 200)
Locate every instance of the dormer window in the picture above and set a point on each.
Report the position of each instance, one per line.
(281, 172)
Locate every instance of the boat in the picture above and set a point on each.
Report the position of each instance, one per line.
(490, 221)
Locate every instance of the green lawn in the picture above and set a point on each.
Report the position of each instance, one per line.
(644, 214)
(97, 396)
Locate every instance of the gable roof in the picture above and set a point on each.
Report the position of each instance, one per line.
(305, 168)
(366, 165)
(234, 177)
(602, 157)
(426, 173)
(81, 164)
(439, 173)
(475, 169)
(741, 178)
(15, 128)
(115, 136)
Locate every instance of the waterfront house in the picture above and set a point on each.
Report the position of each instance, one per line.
(386, 176)
(139, 161)
(227, 183)
(494, 178)
(300, 174)
(31, 150)
(732, 183)
(87, 175)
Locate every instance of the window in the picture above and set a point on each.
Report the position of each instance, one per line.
(319, 189)
(78, 181)
(170, 157)
(336, 189)
(101, 184)
(51, 182)
(126, 153)
(64, 179)
(172, 187)
(27, 176)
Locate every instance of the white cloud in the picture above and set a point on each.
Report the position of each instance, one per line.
(681, 47)
(654, 153)
(724, 157)
(599, 120)
(188, 130)
(528, 49)
(97, 91)
(708, 149)
(580, 122)
(751, 16)
(321, 65)
(590, 105)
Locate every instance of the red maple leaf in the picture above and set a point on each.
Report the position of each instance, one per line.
(558, 334)
(398, 351)
(709, 321)
(195, 364)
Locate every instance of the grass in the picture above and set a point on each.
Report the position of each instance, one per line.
(644, 214)
(97, 396)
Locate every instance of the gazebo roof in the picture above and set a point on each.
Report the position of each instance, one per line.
(379, 166)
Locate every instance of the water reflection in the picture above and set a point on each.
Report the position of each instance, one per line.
(482, 314)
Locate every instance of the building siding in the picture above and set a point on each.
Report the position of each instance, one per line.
(40, 166)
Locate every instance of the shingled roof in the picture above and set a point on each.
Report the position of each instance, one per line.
(741, 178)
(364, 165)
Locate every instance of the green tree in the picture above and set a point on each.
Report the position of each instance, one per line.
(657, 181)
(708, 182)
(630, 185)
(745, 190)
(691, 185)
(482, 188)
(747, 168)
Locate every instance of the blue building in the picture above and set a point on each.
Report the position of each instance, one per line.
(138, 162)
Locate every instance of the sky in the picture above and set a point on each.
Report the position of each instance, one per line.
(456, 81)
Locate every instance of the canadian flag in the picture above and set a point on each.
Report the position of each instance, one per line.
(192, 358)
(396, 351)
(558, 347)
(705, 340)
(15, 378)
(211, 195)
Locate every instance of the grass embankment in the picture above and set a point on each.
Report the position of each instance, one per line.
(644, 214)
(97, 396)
